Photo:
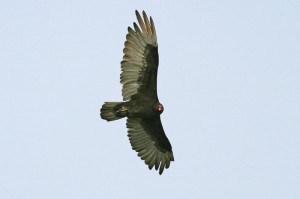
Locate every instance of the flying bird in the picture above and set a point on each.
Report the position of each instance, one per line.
(141, 105)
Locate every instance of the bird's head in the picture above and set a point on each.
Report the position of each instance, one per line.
(159, 108)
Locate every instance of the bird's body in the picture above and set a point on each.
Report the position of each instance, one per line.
(141, 105)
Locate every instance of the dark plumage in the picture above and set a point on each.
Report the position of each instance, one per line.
(141, 106)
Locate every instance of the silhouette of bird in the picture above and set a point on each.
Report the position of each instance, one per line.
(141, 105)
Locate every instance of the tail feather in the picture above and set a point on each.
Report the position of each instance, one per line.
(111, 111)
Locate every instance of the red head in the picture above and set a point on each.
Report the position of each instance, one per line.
(159, 107)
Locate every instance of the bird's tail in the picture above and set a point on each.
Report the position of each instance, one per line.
(113, 111)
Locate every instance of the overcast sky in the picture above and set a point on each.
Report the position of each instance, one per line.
(229, 79)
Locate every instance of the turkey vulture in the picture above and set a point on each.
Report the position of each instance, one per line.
(141, 106)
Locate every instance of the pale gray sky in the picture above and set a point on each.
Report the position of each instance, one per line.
(229, 79)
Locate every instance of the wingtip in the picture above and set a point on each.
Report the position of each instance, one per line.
(137, 12)
(161, 169)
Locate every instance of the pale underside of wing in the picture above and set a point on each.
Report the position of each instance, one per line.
(138, 53)
(153, 151)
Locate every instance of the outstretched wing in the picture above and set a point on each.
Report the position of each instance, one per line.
(140, 60)
(147, 137)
